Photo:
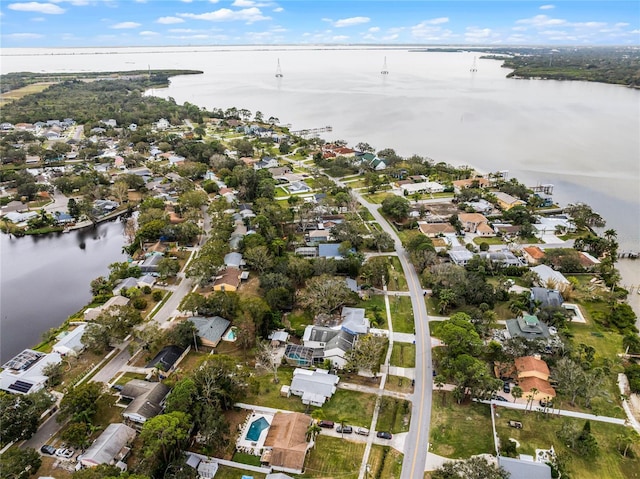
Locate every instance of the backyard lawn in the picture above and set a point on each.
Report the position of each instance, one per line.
(226, 472)
(354, 407)
(395, 415)
(334, 457)
(398, 384)
(460, 430)
(403, 355)
(401, 314)
(375, 302)
(263, 391)
(539, 432)
(384, 462)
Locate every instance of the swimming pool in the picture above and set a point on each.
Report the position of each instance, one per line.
(256, 428)
(231, 335)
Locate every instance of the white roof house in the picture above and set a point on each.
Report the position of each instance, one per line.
(354, 321)
(422, 187)
(315, 387)
(110, 447)
(71, 343)
(92, 313)
(23, 374)
(550, 277)
(233, 260)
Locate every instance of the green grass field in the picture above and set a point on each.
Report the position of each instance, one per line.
(460, 431)
(263, 391)
(334, 457)
(401, 314)
(354, 407)
(395, 415)
(384, 462)
(403, 355)
(539, 432)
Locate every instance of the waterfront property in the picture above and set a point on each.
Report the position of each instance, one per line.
(92, 313)
(70, 342)
(23, 374)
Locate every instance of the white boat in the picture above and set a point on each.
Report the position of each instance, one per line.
(279, 70)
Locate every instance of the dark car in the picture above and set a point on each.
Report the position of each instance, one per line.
(344, 430)
(47, 449)
(499, 398)
(327, 424)
(544, 403)
(506, 387)
(384, 435)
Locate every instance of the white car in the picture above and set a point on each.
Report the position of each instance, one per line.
(65, 453)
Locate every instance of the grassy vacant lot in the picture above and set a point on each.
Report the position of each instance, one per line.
(378, 197)
(334, 457)
(397, 281)
(263, 391)
(460, 431)
(354, 407)
(384, 462)
(399, 384)
(491, 240)
(395, 415)
(47, 469)
(226, 472)
(401, 314)
(299, 320)
(24, 91)
(539, 432)
(403, 355)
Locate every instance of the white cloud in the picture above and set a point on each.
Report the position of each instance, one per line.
(37, 19)
(248, 15)
(541, 21)
(278, 10)
(125, 25)
(437, 21)
(430, 30)
(390, 38)
(374, 30)
(349, 22)
(340, 38)
(243, 3)
(169, 20)
(547, 7)
(24, 36)
(183, 30)
(621, 24)
(44, 8)
(148, 33)
(475, 34)
(75, 3)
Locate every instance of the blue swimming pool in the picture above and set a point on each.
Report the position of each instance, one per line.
(256, 427)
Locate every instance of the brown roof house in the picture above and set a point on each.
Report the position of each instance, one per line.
(533, 254)
(435, 229)
(286, 444)
(533, 378)
(476, 223)
(227, 280)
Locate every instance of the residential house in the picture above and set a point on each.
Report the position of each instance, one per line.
(545, 298)
(147, 399)
(278, 338)
(279, 171)
(124, 285)
(296, 355)
(210, 329)
(480, 206)
(234, 260)
(315, 387)
(370, 161)
(548, 277)
(533, 378)
(307, 251)
(266, 163)
(551, 225)
(422, 187)
(286, 442)
(506, 202)
(460, 255)
(111, 447)
(92, 313)
(507, 230)
(162, 124)
(146, 280)
(524, 467)
(354, 321)
(587, 261)
(479, 182)
(527, 326)
(150, 263)
(70, 342)
(20, 218)
(433, 230)
(533, 254)
(329, 344)
(298, 187)
(504, 257)
(318, 236)
(476, 223)
(228, 280)
(168, 359)
(24, 373)
(329, 250)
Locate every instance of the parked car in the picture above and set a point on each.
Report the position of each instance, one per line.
(65, 453)
(544, 403)
(363, 431)
(506, 387)
(384, 435)
(327, 424)
(48, 449)
(499, 398)
(516, 424)
(344, 430)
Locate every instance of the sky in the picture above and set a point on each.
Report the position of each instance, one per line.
(97, 23)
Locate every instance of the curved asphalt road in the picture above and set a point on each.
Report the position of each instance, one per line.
(417, 440)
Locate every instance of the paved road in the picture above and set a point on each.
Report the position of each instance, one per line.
(110, 369)
(417, 441)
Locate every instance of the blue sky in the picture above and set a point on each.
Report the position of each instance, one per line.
(79, 23)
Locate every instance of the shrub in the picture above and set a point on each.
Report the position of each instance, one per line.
(146, 289)
(157, 295)
(139, 303)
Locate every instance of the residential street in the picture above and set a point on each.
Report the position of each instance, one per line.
(417, 440)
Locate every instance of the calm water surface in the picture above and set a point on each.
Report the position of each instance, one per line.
(45, 279)
(582, 137)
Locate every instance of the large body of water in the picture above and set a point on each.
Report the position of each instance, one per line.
(44, 279)
(582, 137)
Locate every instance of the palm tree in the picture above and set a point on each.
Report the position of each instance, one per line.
(312, 431)
(516, 392)
(439, 381)
(317, 414)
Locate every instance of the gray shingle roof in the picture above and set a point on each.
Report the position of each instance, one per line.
(210, 329)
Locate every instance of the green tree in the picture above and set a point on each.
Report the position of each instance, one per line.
(168, 268)
(474, 468)
(77, 434)
(516, 392)
(396, 207)
(366, 355)
(324, 294)
(19, 463)
(182, 397)
(19, 414)
(80, 402)
(163, 437)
